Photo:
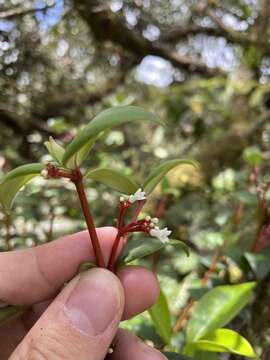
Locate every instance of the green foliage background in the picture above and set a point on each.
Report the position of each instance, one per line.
(203, 67)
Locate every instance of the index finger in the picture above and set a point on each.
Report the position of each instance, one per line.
(33, 275)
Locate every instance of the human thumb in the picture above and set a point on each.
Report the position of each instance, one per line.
(80, 323)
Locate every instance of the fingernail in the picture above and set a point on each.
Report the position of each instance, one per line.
(95, 302)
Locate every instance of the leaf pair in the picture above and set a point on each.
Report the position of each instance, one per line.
(78, 149)
(124, 184)
(214, 310)
(105, 121)
(75, 152)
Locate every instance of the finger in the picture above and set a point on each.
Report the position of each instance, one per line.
(140, 287)
(34, 275)
(14, 330)
(134, 279)
(129, 347)
(80, 323)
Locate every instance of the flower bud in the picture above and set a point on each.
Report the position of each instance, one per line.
(44, 173)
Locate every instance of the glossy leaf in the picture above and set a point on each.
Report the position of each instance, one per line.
(55, 150)
(161, 317)
(13, 181)
(139, 248)
(104, 121)
(9, 311)
(79, 156)
(217, 308)
(161, 171)
(222, 340)
(259, 263)
(175, 356)
(114, 179)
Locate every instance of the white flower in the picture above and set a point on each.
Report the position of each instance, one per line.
(161, 234)
(139, 195)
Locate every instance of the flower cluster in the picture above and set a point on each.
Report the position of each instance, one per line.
(147, 225)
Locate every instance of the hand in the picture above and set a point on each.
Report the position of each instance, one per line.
(82, 321)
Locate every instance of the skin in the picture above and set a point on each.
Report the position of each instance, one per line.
(81, 321)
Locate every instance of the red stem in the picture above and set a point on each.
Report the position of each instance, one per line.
(138, 210)
(119, 235)
(135, 216)
(78, 181)
(114, 251)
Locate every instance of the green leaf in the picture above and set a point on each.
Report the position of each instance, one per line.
(253, 156)
(204, 355)
(13, 181)
(139, 248)
(259, 263)
(222, 340)
(175, 356)
(114, 179)
(55, 150)
(9, 311)
(79, 156)
(161, 317)
(217, 308)
(161, 171)
(104, 121)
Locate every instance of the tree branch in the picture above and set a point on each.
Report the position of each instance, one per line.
(182, 33)
(107, 26)
(259, 33)
(21, 11)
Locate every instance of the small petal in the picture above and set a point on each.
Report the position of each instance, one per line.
(139, 195)
(161, 234)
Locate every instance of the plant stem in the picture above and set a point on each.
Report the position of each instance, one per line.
(114, 251)
(49, 233)
(119, 235)
(184, 316)
(135, 217)
(137, 211)
(78, 182)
